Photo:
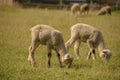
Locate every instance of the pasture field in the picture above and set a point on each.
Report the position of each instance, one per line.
(15, 38)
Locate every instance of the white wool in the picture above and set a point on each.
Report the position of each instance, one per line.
(84, 8)
(75, 9)
(86, 33)
(104, 10)
(46, 35)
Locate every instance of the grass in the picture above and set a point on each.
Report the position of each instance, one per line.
(15, 39)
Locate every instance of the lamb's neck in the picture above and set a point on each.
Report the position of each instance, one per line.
(101, 46)
(62, 50)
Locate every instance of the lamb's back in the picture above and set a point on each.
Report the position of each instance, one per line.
(43, 32)
(83, 30)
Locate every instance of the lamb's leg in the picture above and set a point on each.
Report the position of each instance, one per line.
(76, 48)
(32, 48)
(49, 56)
(89, 55)
(73, 38)
(91, 47)
(93, 55)
(87, 12)
(90, 42)
(58, 55)
(73, 12)
(92, 51)
(69, 43)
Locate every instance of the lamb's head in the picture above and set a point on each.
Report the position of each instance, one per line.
(101, 13)
(106, 54)
(67, 59)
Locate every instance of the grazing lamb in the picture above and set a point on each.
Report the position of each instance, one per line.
(53, 39)
(93, 37)
(104, 10)
(84, 8)
(75, 9)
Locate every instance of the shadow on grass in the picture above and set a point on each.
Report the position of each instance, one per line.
(79, 66)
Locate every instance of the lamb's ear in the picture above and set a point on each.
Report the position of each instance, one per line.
(68, 56)
(104, 51)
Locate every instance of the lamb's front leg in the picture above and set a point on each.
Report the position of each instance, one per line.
(93, 54)
(76, 48)
(49, 56)
(89, 55)
(58, 55)
(92, 50)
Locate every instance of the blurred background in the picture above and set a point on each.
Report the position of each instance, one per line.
(60, 4)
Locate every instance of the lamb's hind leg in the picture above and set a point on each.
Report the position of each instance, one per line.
(69, 43)
(31, 49)
(73, 38)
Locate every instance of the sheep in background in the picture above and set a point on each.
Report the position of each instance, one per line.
(104, 10)
(93, 37)
(53, 39)
(84, 8)
(75, 9)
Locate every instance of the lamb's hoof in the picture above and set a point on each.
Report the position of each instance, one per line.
(34, 64)
(69, 66)
(29, 61)
(88, 58)
(78, 58)
(49, 66)
(61, 66)
(94, 58)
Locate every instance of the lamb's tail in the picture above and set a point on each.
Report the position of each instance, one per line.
(35, 27)
(31, 29)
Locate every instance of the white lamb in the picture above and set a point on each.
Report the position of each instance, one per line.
(85, 33)
(104, 10)
(53, 39)
(84, 8)
(75, 9)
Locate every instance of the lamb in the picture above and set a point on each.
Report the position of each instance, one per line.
(104, 10)
(53, 39)
(84, 8)
(75, 9)
(93, 37)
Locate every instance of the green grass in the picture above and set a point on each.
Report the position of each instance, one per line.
(15, 38)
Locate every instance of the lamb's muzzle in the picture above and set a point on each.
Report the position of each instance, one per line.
(67, 59)
(106, 54)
